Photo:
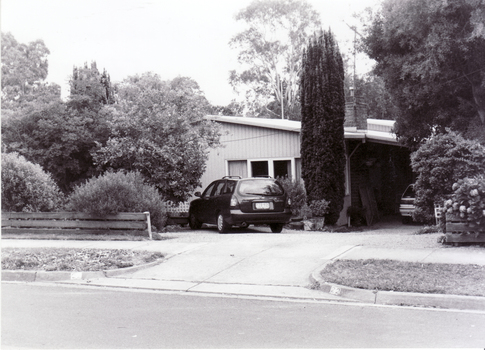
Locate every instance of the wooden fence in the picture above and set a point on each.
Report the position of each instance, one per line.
(75, 222)
(460, 231)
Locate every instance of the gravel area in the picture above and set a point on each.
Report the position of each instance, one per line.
(389, 233)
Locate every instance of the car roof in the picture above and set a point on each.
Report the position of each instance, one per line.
(237, 177)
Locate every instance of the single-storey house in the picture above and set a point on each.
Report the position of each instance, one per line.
(377, 167)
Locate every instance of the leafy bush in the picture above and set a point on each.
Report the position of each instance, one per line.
(27, 187)
(296, 192)
(319, 207)
(113, 193)
(468, 200)
(439, 162)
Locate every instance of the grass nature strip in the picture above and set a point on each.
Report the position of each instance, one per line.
(400, 276)
(71, 259)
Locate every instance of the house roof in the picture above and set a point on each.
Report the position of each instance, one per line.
(279, 124)
(378, 130)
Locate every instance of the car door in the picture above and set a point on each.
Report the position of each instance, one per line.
(215, 202)
(204, 206)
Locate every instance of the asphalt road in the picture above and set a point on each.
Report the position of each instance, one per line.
(51, 316)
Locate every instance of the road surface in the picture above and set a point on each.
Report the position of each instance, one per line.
(53, 316)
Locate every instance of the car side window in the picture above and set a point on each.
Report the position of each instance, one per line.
(219, 188)
(230, 187)
(208, 190)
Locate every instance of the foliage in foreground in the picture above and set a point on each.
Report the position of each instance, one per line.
(441, 161)
(468, 200)
(296, 192)
(118, 192)
(26, 187)
(70, 259)
(400, 276)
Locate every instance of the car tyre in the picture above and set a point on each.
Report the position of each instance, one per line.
(406, 220)
(222, 225)
(193, 222)
(276, 228)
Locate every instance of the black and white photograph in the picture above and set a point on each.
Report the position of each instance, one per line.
(242, 174)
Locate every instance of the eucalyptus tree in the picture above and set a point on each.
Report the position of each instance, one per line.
(269, 52)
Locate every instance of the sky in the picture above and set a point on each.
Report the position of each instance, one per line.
(169, 37)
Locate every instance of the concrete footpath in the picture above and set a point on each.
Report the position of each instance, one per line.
(251, 267)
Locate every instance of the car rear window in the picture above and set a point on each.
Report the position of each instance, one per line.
(262, 187)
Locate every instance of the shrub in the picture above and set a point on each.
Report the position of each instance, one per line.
(319, 207)
(296, 192)
(113, 193)
(441, 161)
(468, 200)
(27, 187)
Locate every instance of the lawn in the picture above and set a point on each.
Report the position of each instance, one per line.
(399, 276)
(69, 259)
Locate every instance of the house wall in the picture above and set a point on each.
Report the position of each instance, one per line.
(379, 165)
(250, 143)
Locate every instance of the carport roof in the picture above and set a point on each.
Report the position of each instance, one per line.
(378, 130)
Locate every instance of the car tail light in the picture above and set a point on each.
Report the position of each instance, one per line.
(288, 202)
(234, 202)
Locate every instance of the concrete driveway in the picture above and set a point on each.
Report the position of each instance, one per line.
(253, 256)
(247, 260)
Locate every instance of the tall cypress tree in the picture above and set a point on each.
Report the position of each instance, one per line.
(322, 128)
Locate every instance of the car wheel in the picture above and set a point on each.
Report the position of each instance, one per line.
(276, 228)
(193, 222)
(406, 220)
(222, 225)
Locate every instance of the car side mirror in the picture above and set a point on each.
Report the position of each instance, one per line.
(198, 194)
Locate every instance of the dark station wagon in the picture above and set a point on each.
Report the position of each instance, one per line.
(232, 201)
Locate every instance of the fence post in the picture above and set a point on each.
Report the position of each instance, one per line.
(149, 224)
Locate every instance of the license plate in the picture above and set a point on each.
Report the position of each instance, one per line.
(262, 206)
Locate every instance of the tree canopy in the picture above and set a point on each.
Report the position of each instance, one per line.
(89, 88)
(37, 124)
(322, 129)
(270, 52)
(431, 55)
(158, 129)
(24, 70)
(22, 64)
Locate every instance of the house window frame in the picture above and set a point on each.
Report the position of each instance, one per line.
(270, 161)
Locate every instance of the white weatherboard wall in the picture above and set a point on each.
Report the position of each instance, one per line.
(243, 142)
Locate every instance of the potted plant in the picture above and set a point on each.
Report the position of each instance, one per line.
(319, 208)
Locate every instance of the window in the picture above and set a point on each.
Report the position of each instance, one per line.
(219, 188)
(275, 168)
(237, 168)
(259, 168)
(263, 187)
(282, 168)
(208, 190)
(230, 187)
